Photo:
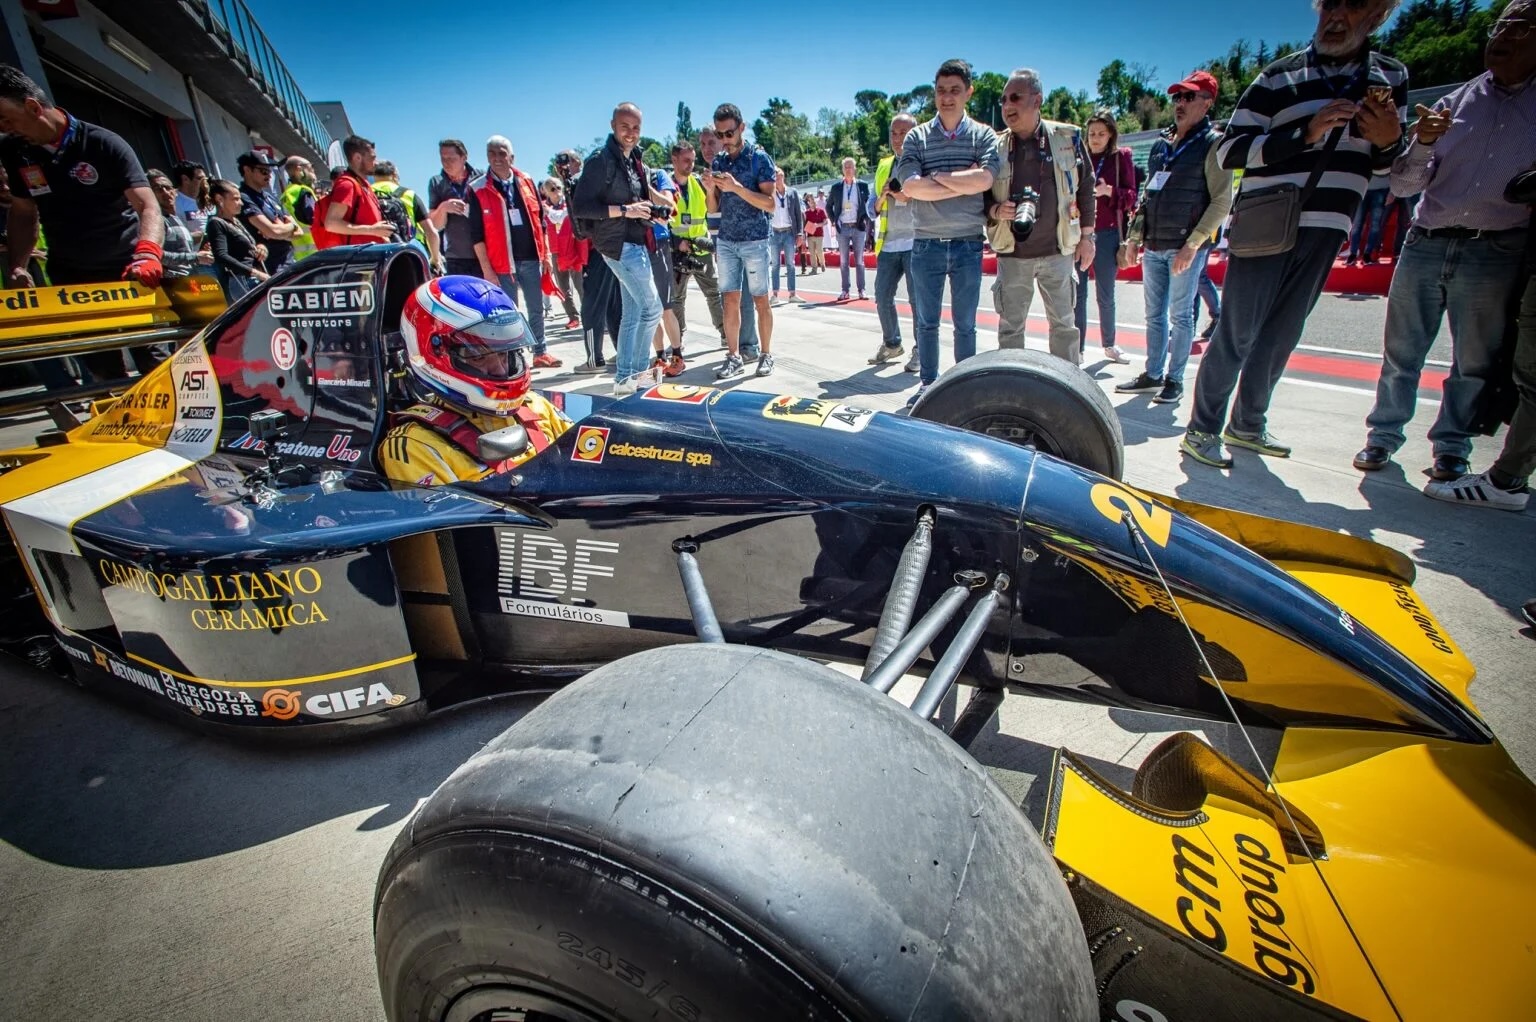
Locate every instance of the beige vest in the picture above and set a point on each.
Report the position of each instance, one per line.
(1069, 223)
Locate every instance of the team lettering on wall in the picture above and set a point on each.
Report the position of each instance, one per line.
(540, 576)
(1195, 870)
(275, 598)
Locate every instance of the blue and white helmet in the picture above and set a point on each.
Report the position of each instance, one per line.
(466, 342)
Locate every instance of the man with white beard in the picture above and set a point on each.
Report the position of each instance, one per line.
(1334, 93)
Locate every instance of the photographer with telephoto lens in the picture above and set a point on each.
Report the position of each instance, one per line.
(1040, 218)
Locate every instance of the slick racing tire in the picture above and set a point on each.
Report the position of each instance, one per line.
(1031, 398)
(722, 832)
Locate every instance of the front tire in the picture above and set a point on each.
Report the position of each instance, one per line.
(1033, 398)
(718, 832)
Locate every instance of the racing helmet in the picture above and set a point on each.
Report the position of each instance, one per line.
(466, 343)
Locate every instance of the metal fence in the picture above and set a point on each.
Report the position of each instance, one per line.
(231, 24)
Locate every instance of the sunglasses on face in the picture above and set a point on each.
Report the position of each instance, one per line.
(1353, 5)
(1017, 97)
(1186, 97)
(1515, 28)
(727, 132)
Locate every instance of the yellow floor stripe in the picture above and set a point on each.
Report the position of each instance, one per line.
(282, 681)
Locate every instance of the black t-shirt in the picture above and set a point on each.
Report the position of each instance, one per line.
(252, 202)
(78, 190)
(523, 247)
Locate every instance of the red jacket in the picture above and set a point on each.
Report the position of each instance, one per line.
(498, 228)
(570, 251)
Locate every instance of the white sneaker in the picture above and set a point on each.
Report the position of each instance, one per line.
(914, 363)
(1477, 491)
(1114, 354)
(623, 388)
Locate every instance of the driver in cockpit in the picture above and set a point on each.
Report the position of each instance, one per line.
(467, 361)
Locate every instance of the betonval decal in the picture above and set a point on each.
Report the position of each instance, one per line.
(540, 576)
(285, 350)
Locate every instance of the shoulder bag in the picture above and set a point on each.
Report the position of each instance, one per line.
(1264, 223)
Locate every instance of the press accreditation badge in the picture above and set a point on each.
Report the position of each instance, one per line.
(1158, 180)
(515, 215)
(32, 177)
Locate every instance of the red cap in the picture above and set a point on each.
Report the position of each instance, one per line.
(1200, 81)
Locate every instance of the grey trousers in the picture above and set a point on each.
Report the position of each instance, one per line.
(1518, 459)
(709, 283)
(1266, 302)
(1014, 291)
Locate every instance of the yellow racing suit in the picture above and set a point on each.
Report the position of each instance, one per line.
(433, 443)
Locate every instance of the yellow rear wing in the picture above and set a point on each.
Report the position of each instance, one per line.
(62, 311)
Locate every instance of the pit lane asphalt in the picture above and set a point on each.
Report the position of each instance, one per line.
(149, 873)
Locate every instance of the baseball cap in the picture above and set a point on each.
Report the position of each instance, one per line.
(1200, 81)
(255, 159)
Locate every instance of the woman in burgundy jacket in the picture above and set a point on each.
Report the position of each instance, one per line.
(1115, 186)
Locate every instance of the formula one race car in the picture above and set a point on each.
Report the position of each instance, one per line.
(711, 823)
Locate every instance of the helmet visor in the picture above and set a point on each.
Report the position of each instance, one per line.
(493, 350)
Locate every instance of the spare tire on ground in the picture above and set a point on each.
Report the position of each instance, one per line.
(1033, 398)
(721, 832)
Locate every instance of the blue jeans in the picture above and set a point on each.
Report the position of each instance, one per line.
(1471, 281)
(890, 267)
(1369, 221)
(850, 252)
(781, 244)
(1106, 247)
(743, 266)
(527, 276)
(1206, 292)
(642, 310)
(1170, 296)
(935, 261)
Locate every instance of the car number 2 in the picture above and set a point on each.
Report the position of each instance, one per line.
(1115, 502)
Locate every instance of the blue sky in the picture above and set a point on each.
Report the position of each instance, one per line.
(411, 72)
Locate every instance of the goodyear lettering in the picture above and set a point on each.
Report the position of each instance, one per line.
(1405, 600)
(676, 455)
(1212, 935)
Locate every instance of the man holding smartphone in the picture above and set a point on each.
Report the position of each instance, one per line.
(742, 176)
(448, 201)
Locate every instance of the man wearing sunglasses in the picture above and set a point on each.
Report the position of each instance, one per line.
(260, 211)
(1464, 254)
(742, 175)
(1336, 93)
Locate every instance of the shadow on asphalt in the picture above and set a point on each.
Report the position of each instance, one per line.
(1453, 540)
(89, 783)
(1142, 420)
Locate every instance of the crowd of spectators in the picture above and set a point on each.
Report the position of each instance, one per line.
(1325, 131)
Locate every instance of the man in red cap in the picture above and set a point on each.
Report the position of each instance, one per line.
(1188, 195)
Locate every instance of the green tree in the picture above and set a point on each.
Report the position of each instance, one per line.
(1441, 41)
(865, 99)
(1062, 104)
(685, 122)
(1121, 85)
(987, 100)
(920, 105)
(779, 130)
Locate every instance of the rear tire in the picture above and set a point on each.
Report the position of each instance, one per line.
(1032, 398)
(719, 832)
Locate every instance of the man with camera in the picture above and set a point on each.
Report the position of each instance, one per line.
(1309, 133)
(1040, 218)
(946, 167)
(1188, 195)
(692, 247)
(848, 209)
(893, 246)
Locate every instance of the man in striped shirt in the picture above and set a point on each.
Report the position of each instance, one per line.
(946, 166)
(1277, 135)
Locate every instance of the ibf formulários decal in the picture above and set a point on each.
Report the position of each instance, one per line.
(541, 576)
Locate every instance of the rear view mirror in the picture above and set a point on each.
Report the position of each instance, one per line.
(501, 444)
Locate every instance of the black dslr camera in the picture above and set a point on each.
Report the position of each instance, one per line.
(1026, 210)
(696, 259)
